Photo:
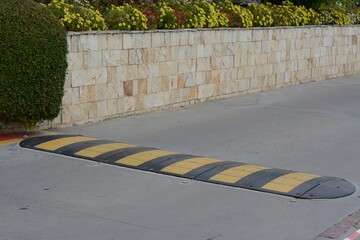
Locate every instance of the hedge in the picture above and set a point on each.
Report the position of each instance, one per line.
(33, 48)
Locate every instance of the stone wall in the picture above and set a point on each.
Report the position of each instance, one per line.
(113, 73)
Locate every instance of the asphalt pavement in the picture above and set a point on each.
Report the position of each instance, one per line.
(312, 128)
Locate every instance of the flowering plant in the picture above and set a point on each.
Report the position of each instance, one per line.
(76, 17)
(126, 17)
(237, 16)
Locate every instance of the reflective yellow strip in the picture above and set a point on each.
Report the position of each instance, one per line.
(143, 157)
(232, 175)
(10, 141)
(185, 166)
(59, 143)
(101, 149)
(289, 181)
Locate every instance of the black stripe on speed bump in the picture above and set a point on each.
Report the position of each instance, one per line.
(259, 179)
(308, 185)
(155, 164)
(73, 148)
(205, 176)
(170, 160)
(203, 169)
(118, 154)
(34, 141)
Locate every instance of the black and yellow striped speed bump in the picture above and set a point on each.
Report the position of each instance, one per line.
(260, 178)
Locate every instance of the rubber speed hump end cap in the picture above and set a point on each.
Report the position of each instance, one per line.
(335, 188)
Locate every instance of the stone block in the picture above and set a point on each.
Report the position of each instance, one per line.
(188, 94)
(183, 37)
(129, 104)
(112, 106)
(245, 35)
(244, 84)
(88, 77)
(79, 113)
(75, 60)
(115, 57)
(102, 42)
(223, 62)
(154, 84)
(176, 96)
(190, 79)
(203, 64)
(114, 41)
(73, 43)
(188, 66)
(128, 41)
(68, 80)
(111, 74)
(120, 73)
(87, 94)
(128, 88)
(88, 42)
(208, 90)
(143, 71)
(93, 59)
(135, 56)
(131, 72)
(93, 110)
(139, 102)
(203, 51)
(210, 37)
(105, 91)
(101, 108)
(157, 39)
(156, 99)
(200, 77)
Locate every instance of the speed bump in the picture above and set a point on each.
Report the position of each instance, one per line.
(235, 174)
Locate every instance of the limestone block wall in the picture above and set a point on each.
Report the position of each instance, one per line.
(116, 73)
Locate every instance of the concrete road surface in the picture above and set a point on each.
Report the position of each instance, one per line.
(311, 128)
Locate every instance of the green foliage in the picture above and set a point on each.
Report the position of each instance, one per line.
(355, 16)
(167, 18)
(237, 16)
(317, 4)
(76, 17)
(189, 15)
(126, 17)
(214, 18)
(33, 48)
(262, 15)
(338, 16)
(289, 15)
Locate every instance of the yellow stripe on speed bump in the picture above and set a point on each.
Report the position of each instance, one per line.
(234, 174)
(143, 157)
(62, 142)
(102, 148)
(185, 166)
(289, 181)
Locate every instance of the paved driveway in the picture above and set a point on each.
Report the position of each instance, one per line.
(311, 128)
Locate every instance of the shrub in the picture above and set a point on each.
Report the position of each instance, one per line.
(126, 17)
(289, 15)
(336, 16)
(238, 16)
(354, 16)
(167, 18)
(33, 48)
(214, 18)
(188, 15)
(151, 12)
(317, 4)
(76, 17)
(262, 15)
